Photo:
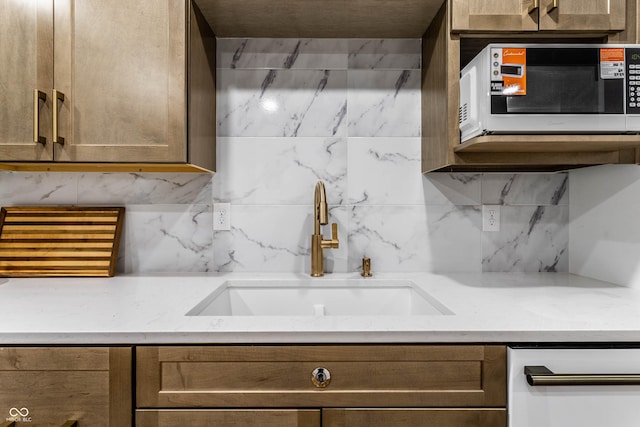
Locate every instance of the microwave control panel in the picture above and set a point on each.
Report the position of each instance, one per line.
(633, 80)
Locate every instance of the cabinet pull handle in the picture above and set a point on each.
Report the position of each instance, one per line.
(57, 96)
(554, 5)
(37, 96)
(541, 375)
(70, 423)
(535, 5)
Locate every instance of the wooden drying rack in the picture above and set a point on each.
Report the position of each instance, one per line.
(44, 241)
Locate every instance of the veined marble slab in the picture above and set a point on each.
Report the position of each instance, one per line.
(498, 308)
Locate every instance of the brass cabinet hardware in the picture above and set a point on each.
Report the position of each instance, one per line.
(535, 5)
(366, 267)
(554, 5)
(70, 423)
(37, 96)
(321, 377)
(57, 96)
(541, 375)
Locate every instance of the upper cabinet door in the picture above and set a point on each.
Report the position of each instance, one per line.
(494, 15)
(120, 65)
(26, 37)
(533, 15)
(582, 15)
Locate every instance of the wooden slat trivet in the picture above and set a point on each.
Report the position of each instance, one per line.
(53, 241)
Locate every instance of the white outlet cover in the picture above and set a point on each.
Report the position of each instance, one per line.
(490, 217)
(222, 216)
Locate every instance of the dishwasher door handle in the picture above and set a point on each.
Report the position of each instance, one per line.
(541, 375)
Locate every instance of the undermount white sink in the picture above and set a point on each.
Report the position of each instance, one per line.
(350, 297)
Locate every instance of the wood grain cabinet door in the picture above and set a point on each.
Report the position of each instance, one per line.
(453, 417)
(121, 66)
(493, 15)
(46, 387)
(228, 418)
(582, 15)
(26, 65)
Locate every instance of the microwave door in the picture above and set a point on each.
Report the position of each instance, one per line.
(563, 82)
(557, 90)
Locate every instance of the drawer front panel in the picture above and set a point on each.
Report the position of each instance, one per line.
(46, 387)
(280, 376)
(239, 376)
(228, 418)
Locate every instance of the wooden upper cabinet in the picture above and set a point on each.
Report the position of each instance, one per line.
(26, 31)
(122, 78)
(537, 15)
(121, 68)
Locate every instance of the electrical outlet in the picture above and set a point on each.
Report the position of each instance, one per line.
(222, 216)
(490, 217)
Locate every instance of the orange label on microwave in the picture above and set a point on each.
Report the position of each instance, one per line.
(611, 54)
(514, 71)
(612, 63)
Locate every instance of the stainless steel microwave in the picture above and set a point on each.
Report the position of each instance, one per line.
(551, 88)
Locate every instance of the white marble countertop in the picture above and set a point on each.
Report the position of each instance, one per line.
(487, 307)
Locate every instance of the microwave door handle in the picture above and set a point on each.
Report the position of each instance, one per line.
(541, 376)
(535, 5)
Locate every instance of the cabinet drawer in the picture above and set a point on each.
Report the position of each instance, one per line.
(414, 417)
(281, 376)
(45, 387)
(228, 418)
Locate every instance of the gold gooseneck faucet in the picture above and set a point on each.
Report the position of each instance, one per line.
(321, 215)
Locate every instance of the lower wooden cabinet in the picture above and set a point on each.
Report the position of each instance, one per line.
(48, 386)
(341, 385)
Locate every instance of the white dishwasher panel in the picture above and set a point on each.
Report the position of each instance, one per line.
(573, 405)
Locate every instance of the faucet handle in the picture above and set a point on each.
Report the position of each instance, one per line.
(333, 243)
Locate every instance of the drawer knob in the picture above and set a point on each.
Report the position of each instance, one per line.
(321, 377)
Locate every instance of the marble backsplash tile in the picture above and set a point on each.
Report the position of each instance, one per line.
(280, 171)
(144, 189)
(390, 54)
(283, 103)
(46, 188)
(314, 54)
(275, 238)
(415, 238)
(383, 103)
(526, 189)
(167, 238)
(531, 238)
(371, 163)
